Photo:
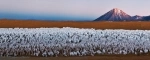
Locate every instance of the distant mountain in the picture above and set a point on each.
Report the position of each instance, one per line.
(137, 17)
(114, 15)
(146, 18)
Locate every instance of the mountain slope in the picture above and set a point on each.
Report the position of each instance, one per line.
(114, 15)
(146, 18)
(137, 17)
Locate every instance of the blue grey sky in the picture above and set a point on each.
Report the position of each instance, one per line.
(69, 9)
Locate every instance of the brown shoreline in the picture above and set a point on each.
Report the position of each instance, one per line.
(142, 25)
(80, 58)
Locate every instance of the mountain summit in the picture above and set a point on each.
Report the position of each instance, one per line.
(114, 15)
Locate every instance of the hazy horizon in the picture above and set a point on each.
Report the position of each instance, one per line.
(69, 9)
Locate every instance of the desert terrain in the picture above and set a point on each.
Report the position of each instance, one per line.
(132, 25)
(80, 58)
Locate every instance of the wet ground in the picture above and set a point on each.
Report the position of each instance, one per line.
(80, 58)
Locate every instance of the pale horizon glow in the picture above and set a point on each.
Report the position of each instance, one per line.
(73, 9)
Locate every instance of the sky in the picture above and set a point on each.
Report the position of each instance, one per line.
(79, 10)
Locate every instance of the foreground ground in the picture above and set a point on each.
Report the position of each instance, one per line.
(80, 58)
(97, 25)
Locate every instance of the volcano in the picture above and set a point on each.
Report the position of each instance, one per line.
(114, 15)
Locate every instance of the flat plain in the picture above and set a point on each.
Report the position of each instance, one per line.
(131, 25)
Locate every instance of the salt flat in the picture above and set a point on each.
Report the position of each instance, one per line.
(55, 42)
